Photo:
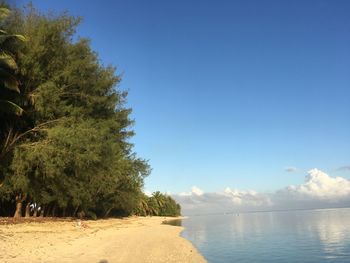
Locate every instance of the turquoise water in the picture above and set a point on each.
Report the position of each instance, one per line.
(289, 236)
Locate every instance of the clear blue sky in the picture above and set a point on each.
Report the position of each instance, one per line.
(228, 93)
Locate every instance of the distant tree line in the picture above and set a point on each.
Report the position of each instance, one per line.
(157, 205)
(65, 130)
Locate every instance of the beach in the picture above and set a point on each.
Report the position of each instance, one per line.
(132, 239)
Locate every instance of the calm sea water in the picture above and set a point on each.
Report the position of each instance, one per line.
(292, 236)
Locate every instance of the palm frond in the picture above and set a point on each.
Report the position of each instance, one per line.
(8, 81)
(7, 61)
(10, 108)
(4, 12)
(16, 37)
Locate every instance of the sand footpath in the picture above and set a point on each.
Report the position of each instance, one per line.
(135, 239)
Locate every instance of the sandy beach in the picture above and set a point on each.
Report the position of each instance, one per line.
(135, 239)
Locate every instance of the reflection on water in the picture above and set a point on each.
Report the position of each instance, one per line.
(289, 236)
(334, 232)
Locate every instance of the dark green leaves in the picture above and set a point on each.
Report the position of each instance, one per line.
(71, 153)
(8, 107)
(8, 67)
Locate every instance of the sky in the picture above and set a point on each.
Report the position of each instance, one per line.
(246, 95)
(319, 190)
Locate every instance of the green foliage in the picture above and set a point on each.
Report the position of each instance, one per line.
(9, 85)
(157, 205)
(70, 152)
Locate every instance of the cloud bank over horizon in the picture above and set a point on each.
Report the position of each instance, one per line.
(318, 191)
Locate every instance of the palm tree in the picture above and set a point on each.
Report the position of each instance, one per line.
(159, 197)
(152, 206)
(160, 200)
(9, 86)
(10, 110)
(143, 208)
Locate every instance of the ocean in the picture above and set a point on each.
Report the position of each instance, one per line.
(283, 236)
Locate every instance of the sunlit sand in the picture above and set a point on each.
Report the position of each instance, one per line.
(135, 239)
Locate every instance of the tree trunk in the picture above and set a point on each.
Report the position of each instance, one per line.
(35, 213)
(107, 212)
(48, 209)
(64, 209)
(18, 212)
(27, 210)
(42, 211)
(75, 211)
(53, 211)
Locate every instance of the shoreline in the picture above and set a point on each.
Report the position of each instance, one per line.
(132, 239)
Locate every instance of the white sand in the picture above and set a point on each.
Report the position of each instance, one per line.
(136, 239)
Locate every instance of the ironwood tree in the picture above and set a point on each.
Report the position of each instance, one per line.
(69, 151)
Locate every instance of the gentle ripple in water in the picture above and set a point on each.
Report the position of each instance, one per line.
(289, 236)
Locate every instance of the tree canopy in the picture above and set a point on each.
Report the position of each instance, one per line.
(158, 204)
(67, 151)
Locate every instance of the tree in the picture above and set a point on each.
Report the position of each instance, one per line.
(9, 86)
(158, 204)
(72, 154)
(10, 97)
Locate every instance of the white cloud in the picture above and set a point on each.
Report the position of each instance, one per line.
(194, 191)
(318, 191)
(319, 185)
(251, 198)
(148, 193)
